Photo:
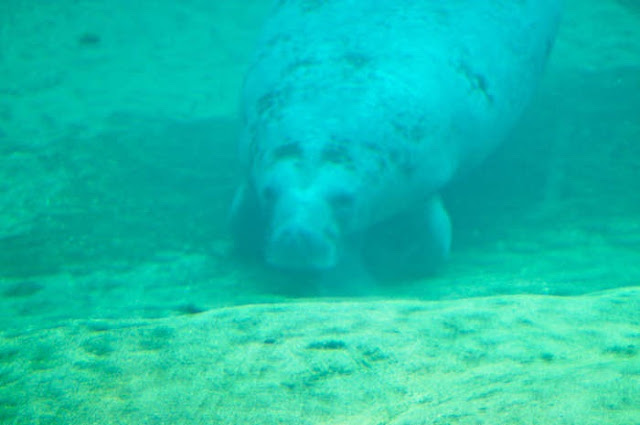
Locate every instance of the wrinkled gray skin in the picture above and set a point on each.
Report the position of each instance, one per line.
(357, 112)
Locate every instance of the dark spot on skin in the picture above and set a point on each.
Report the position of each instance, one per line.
(481, 83)
(268, 102)
(287, 151)
(300, 65)
(477, 81)
(336, 154)
(415, 133)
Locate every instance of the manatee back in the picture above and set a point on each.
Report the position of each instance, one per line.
(446, 79)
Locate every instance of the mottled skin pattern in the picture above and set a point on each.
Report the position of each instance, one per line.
(357, 112)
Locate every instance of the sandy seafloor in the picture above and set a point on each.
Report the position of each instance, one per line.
(122, 303)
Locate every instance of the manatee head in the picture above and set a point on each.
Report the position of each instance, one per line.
(323, 167)
(311, 197)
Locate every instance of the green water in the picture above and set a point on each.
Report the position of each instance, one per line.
(122, 301)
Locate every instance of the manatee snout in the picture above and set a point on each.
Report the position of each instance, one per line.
(303, 235)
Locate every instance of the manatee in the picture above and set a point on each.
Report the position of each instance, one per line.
(356, 113)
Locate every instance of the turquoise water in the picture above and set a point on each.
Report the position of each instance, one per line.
(122, 300)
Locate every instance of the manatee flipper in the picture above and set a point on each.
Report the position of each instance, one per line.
(410, 244)
(246, 222)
